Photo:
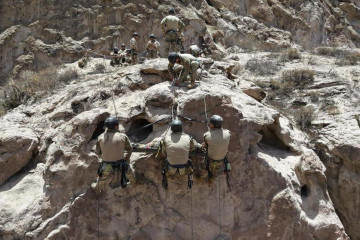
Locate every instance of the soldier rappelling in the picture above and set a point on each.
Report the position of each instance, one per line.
(111, 146)
(216, 143)
(175, 147)
(172, 27)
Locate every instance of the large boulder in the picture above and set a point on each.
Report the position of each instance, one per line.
(17, 147)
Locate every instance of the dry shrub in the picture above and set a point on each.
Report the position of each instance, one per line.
(289, 54)
(31, 84)
(330, 106)
(343, 56)
(99, 68)
(314, 96)
(304, 117)
(280, 88)
(299, 77)
(261, 66)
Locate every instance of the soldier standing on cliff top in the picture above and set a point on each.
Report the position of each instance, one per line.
(172, 27)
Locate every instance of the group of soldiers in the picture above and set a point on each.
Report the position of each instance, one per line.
(115, 150)
(187, 64)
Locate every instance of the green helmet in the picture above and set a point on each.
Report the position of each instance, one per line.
(111, 122)
(172, 57)
(216, 120)
(172, 10)
(176, 125)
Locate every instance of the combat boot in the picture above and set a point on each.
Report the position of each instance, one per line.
(191, 85)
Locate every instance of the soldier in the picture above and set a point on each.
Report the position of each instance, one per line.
(134, 48)
(115, 57)
(152, 47)
(172, 27)
(123, 48)
(111, 145)
(188, 65)
(122, 53)
(195, 50)
(175, 147)
(216, 142)
(128, 57)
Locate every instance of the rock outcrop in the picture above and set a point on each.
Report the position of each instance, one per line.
(51, 34)
(278, 183)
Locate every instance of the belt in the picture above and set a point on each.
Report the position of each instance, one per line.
(179, 165)
(170, 31)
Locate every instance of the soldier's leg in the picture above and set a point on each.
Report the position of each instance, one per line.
(184, 72)
(103, 182)
(194, 76)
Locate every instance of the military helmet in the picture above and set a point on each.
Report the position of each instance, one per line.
(123, 45)
(172, 57)
(111, 122)
(176, 125)
(216, 120)
(116, 49)
(172, 10)
(135, 34)
(152, 36)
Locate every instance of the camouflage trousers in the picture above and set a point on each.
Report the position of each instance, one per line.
(115, 61)
(172, 42)
(111, 177)
(185, 72)
(152, 54)
(134, 57)
(217, 167)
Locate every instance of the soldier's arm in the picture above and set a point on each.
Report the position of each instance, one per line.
(163, 24)
(171, 69)
(128, 149)
(163, 148)
(98, 149)
(194, 144)
(181, 26)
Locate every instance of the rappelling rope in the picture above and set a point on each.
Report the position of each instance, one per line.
(191, 212)
(98, 218)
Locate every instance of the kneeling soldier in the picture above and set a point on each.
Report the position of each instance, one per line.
(188, 65)
(115, 164)
(176, 147)
(216, 142)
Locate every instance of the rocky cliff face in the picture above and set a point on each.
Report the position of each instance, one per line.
(294, 118)
(279, 186)
(35, 34)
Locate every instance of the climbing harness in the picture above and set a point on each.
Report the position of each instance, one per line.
(166, 167)
(227, 170)
(118, 167)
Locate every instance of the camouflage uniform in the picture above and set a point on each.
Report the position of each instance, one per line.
(152, 49)
(217, 142)
(115, 59)
(172, 27)
(134, 51)
(175, 148)
(111, 145)
(188, 65)
(195, 50)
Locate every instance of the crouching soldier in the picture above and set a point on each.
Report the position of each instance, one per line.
(175, 147)
(115, 57)
(111, 146)
(187, 68)
(216, 142)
